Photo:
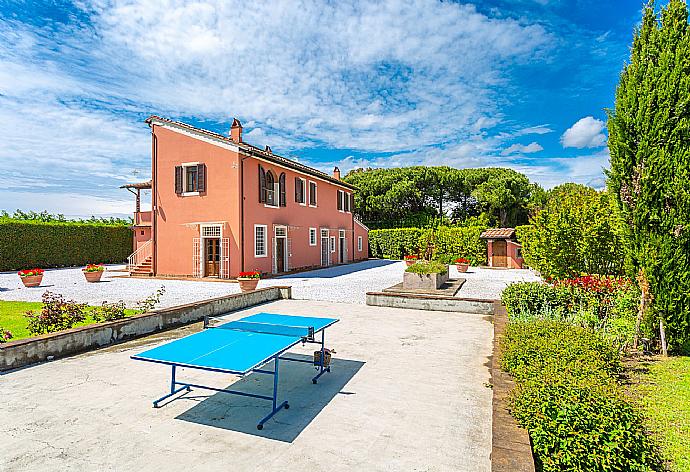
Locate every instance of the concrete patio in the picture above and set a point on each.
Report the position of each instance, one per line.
(408, 391)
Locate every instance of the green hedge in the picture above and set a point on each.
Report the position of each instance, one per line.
(449, 242)
(28, 244)
(568, 398)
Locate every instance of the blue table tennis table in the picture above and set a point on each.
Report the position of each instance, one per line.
(242, 347)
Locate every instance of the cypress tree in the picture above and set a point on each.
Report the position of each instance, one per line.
(649, 143)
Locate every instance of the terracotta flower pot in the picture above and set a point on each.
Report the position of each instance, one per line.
(32, 280)
(93, 276)
(462, 267)
(247, 285)
(410, 262)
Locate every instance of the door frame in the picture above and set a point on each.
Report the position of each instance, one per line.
(342, 246)
(275, 248)
(210, 231)
(326, 238)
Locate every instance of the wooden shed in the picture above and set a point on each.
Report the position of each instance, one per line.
(503, 248)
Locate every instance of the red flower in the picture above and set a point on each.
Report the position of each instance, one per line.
(30, 272)
(411, 257)
(462, 260)
(250, 275)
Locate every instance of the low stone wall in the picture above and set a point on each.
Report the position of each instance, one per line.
(430, 302)
(72, 341)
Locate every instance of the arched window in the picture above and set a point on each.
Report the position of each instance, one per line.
(270, 189)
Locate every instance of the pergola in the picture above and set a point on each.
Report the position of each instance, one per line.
(136, 189)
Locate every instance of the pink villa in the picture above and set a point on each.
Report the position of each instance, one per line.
(221, 206)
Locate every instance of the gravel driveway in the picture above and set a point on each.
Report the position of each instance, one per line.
(347, 284)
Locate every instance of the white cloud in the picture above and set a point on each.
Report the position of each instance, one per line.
(585, 133)
(540, 129)
(518, 148)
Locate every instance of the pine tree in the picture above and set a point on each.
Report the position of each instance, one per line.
(649, 143)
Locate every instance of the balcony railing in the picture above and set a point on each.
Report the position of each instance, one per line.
(142, 218)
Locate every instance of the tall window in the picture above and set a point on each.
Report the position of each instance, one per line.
(312, 193)
(190, 178)
(332, 243)
(260, 241)
(270, 189)
(300, 191)
(359, 243)
(312, 236)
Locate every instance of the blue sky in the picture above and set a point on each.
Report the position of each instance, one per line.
(515, 83)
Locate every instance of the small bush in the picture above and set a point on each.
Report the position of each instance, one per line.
(57, 314)
(5, 335)
(427, 267)
(109, 311)
(568, 398)
(150, 302)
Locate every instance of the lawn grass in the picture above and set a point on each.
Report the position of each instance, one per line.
(12, 317)
(664, 393)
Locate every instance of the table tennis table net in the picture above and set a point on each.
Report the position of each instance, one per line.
(264, 328)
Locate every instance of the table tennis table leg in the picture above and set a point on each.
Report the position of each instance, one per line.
(323, 358)
(276, 407)
(173, 390)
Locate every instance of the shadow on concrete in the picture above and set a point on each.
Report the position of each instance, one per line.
(236, 413)
(337, 271)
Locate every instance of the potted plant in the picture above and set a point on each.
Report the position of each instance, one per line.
(410, 259)
(249, 280)
(93, 272)
(462, 264)
(31, 277)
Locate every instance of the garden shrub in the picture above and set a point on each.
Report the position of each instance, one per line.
(58, 244)
(568, 398)
(109, 311)
(57, 314)
(575, 233)
(5, 335)
(427, 267)
(450, 242)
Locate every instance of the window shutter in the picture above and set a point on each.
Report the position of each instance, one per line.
(351, 202)
(340, 199)
(262, 185)
(297, 188)
(281, 184)
(178, 179)
(201, 177)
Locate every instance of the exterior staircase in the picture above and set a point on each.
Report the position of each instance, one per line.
(140, 262)
(144, 268)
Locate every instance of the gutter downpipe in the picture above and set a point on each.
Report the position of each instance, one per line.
(242, 159)
(154, 199)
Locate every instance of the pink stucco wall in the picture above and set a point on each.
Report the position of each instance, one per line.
(231, 198)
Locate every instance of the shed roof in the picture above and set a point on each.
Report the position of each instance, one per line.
(498, 233)
(138, 185)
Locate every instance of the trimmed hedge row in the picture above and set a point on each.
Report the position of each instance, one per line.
(449, 242)
(568, 398)
(28, 244)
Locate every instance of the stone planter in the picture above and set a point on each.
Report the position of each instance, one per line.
(462, 267)
(424, 281)
(248, 285)
(93, 276)
(32, 280)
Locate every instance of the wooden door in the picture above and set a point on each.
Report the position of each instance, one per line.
(212, 257)
(280, 255)
(342, 250)
(500, 253)
(325, 251)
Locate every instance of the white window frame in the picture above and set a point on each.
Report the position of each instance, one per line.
(265, 251)
(359, 244)
(305, 192)
(313, 236)
(316, 194)
(332, 243)
(184, 166)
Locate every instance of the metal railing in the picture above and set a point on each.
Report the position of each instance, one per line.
(142, 253)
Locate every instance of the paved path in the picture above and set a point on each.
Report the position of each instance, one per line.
(407, 392)
(348, 284)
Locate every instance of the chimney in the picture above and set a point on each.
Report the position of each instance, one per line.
(268, 150)
(336, 173)
(236, 131)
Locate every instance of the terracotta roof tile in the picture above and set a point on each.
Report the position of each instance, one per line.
(498, 233)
